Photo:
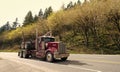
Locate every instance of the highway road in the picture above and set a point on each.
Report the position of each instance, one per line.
(10, 62)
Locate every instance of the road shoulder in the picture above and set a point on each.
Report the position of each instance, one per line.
(7, 65)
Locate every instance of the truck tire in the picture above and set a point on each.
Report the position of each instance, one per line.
(49, 57)
(25, 55)
(21, 54)
(64, 59)
(18, 53)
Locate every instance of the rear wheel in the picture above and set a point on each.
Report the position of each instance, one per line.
(64, 59)
(25, 55)
(21, 54)
(49, 57)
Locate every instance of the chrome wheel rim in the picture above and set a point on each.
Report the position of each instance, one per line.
(49, 57)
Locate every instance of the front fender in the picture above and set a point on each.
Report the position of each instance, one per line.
(52, 50)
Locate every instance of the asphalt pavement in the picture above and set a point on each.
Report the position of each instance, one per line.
(10, 62)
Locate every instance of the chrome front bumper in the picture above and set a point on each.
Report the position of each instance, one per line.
(57, 55)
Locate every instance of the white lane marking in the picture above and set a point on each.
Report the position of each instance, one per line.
(84, 68)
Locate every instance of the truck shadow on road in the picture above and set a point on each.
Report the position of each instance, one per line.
(70, 62)
(67, 62)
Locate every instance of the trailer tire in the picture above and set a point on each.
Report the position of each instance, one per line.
(21, 54)
(49, 57)
(25, 55)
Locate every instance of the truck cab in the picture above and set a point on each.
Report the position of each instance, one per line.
(49, 49)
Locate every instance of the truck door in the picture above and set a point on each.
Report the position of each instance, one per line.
(41, 50)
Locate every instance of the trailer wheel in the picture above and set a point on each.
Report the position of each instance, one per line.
(49, 57)
(25, 55)
(21, 54)
(64, 59)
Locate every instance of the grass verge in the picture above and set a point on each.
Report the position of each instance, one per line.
(10, 50)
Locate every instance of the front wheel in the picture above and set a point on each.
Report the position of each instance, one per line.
(49, 57)
(64, 59)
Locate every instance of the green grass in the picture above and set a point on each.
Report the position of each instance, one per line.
(14, 48)
(9, 50)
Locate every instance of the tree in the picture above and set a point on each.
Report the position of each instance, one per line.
(50, 10)
(40, 14)
(36, 18)
(28, 18)
(85, 1)
(113, 18)
(79, 2)
(5, 27)
(15, 23)
(47, 12)
(75, 4)
(83, 27)
(70, 5)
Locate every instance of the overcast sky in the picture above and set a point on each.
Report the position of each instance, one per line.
(10, 9)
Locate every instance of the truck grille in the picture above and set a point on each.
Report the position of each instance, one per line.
(62, 48)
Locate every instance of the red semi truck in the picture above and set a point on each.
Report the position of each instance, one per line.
(44, 47)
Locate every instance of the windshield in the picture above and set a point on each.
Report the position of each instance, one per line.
(47, 39)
